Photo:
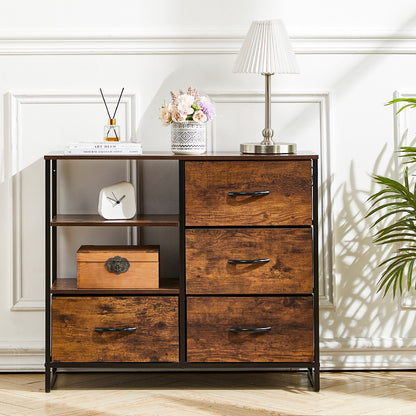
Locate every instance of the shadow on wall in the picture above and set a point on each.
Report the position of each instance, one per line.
(159, 180)
(361, 311)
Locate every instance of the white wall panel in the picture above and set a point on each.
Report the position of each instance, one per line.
(353, 57)
(70, 116)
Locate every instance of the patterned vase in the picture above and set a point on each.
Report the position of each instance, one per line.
(188, 138)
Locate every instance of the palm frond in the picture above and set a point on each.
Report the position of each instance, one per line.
(394, 207)
(411, 103)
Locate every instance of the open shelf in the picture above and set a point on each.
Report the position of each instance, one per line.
(143, 220)
(69, 287)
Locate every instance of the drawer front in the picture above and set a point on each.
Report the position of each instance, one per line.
(288, 269)
(76, 339)
(289, 339)
(208, 184)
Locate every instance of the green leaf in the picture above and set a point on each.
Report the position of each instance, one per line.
(394, 209)
(409, 274)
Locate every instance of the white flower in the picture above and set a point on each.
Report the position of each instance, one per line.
(184, 103)
(165, 116)
(203, 98)
(178, 116)
(170, 107)
(199, 116)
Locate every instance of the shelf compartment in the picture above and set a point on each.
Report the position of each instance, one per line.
(69, 287)
(143, 220)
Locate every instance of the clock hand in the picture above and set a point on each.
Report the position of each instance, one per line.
(121, 199)
(115, 197)
(111, 199)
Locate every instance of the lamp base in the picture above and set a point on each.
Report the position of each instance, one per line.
(275, 148)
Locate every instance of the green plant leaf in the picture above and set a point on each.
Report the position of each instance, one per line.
(393, 208)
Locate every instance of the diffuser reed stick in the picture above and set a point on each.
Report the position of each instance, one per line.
(102, 95)
(118, 102)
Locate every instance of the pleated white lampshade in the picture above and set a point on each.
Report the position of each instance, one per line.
(266, 50)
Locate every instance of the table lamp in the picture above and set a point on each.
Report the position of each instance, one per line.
(267, 50)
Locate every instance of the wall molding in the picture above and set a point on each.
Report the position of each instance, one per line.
(22, 355)
(368, 353)
(14, 149)
(326, 264)
(339, 354)
(193, 42)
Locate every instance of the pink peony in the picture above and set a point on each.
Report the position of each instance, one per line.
(199, 116)
(165, 116)
(178, 116)
(184, 102)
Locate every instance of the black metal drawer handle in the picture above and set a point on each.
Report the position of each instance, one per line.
(254, 193)
(261, 329)
(127, 329)
(255, 261)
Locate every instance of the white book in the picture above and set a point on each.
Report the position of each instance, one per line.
(105, 145)
(103, 151)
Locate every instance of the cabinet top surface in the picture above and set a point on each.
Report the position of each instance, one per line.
(170, 156)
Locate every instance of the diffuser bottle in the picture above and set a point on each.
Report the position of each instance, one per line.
(112, 131)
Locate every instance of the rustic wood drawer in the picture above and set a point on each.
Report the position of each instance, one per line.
(208, 185)
(216, 261)
(80, 329)
(289, 339)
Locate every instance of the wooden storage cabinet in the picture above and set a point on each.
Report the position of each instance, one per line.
(246, 297)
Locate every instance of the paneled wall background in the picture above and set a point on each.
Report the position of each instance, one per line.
(354, 57)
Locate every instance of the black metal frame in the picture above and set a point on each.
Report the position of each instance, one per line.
(47, 276)
(313, 371)
(313, 368)
(182, 266)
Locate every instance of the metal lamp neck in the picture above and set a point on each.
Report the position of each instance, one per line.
(268, 131)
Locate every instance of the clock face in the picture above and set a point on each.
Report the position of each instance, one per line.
(117, 202)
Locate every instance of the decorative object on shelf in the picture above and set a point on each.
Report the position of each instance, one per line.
(104, 148)
(112, 130)
(188, 137)
(118, 267)
(117, 202)
(187, 114)
(267, 50)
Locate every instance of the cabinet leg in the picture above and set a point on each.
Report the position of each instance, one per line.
(50, 378)
(314, 377)
(47, 379)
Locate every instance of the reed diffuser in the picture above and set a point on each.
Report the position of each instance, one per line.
(111, 130)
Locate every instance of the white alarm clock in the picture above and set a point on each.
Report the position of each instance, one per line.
(117, 202)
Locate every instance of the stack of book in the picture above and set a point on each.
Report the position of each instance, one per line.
(104, 148)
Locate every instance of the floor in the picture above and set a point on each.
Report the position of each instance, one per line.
(219, 394)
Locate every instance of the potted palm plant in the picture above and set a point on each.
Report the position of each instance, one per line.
(395, 208)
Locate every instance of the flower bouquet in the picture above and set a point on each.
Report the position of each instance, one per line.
(187, 106)
(187, 114)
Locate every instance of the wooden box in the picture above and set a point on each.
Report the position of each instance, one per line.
(118, 267)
